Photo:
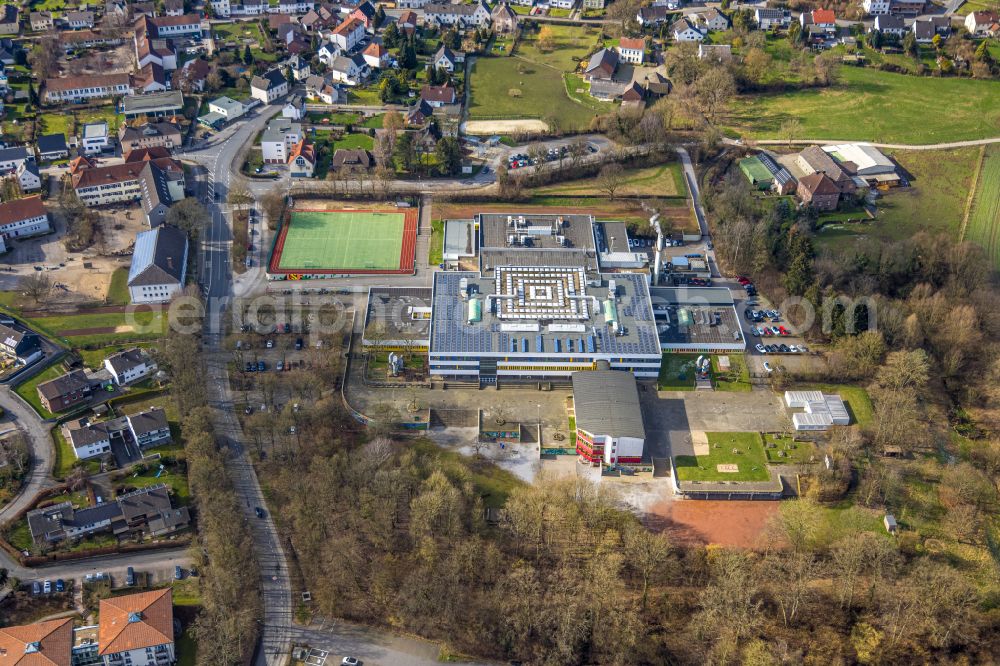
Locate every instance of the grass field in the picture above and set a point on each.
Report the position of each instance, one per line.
(870, 105)
(435, 255)
(665, 180)
(536, 83)
(118, 288)
(737, 379)
(28, 391)
(935, 202)
(676, 372)
(743, 449)
(85, 329)
(984, 218)
(787, 451)
(343, 240)
(855, 397)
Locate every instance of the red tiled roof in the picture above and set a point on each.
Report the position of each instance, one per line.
(92, 81)
(376, 50)
(21, 209)
(146, 154)
(824, 16)
(818, 183)
(303, 148)
(136, 621)
(347, 26)
(40, 644)
(629, 43)
(445, 94)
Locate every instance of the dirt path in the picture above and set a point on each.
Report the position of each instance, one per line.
(898, 146)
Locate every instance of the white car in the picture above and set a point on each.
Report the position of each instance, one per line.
(767, 366)
(350, 661)
(760, 348)
(794, 348)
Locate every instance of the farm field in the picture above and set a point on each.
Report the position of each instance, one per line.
(935, 202)
(745, 450)
(662, 181)
(984, 218)
(870, 105)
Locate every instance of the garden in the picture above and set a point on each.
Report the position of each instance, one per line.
(729, 456)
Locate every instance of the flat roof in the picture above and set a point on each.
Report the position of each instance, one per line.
(543, 308)
(611, 237)
(459, 238)
(702, 316)
(405, 312)
(606, 402)
(691, 296)
(543, 230)
(162, 101)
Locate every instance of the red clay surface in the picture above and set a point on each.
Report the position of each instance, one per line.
(703, 522)
(407, 252)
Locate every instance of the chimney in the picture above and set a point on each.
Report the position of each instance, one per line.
(170, 263)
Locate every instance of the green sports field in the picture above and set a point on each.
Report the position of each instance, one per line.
(342, 240)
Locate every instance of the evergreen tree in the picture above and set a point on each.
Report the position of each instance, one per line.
(247, 56)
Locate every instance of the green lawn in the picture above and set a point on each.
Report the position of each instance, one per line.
(676, 372)
(19, 535)
(572, 43)
(516, 88)
(736, 379)
(743, 449)
(935, 202)
(665, 180)
(94, 358)
(173, 476)
(870, 105)
(118, 288)
(56, 123)
(787, 450)
(28, 391)
(66, 458)
(187, 649)
(984, 218)
(374, 122)
(855, 397)
(435, 255)
(144, 324)
(351, 141)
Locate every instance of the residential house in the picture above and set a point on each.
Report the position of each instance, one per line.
(292, 7)
(711, 20)
(228, 108)
(161, 184)
(772, 18)
(819, 20)
(419, 113)
(815, 160)
(159, 264)
(438, 96)
(173, 7)
(137, 629)
(562, 4)
(79, 20)
(349, 70)
(46, 643)
(326, 52)
(715, 52)
(269, 87)
(318, 19)
(81, 88)
(980, 23)
(28, 176)
(192, 77)
(925, 28)
(186, 25)
(413, 4)
(23, 217)
(277, 140)
(503, 18)
(88, 440)
(41, 21)
(907, 7)
(654, 15)
(445, 59)
(52, 147)
(66, 391)
(352, 160)
(294, 108)
(9, 50)
(875, 7)
(602, 65)
(365, 12)
(10, 20)
(149, 427)
(347, 35)
(682, 30)
(323, 89)
(301, 70)
(476, 14)
(92, 440)
(151, 79)
(819, 191)
(94, 138)
(407, 23)
(12, 158)
(22, 347)
(632, 50)
(302, 160)
(593, 4)
(889, 24)
(128, 366)
(376, 56)
(151, 48)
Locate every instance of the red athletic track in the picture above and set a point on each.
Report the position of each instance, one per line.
(407, 252)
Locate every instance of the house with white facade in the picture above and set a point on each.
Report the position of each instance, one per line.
(137, 629)
(269, 87)
(772, 18)
(875, 7)
(474, 15)
(12, 158)
(979, 24)
(94, 138)
(278, 138)
(227, 107)
(28, 177)
(159, 265)
(129, 366)
(682, 30)
(81, 88)
(350, 70)
(23, 217)
(632, 49)
(347, 35)
(711, 20)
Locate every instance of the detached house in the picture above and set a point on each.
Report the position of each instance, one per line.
(464, 16)
(602, 65)
(277, 140)
(438, 96)
(632, 50)
(654, 15)
(78, 20)
(503, 18)
(772, 18)
(376, 56)
(65, 392)
(924, 29)
(10, 20)
(349, 70)
(41, 21)
(889, 24)
(819, 20)
(128, 366)
(711, 20)
(269, 87)
(302, 160)
(819, 191)
(347, 35)
(21, 347)
(159, 265)
(323, 89)
(148, 135)
(52, 147)
(981, 23)
(445, 59)
(682, 30)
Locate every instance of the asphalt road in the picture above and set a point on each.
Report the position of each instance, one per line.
(42, 453)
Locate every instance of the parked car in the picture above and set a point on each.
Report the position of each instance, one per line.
(298, 344)
(280, 366)
(36, 588)
(259, 511)
(784, 348)
(288, 328)
(261, 366)
(350, 661)
(130, 577)
(60, 585)
(250, 367)
(760, 348)
(767, 366)
(47, 587)
(269, 344)
(178, 573)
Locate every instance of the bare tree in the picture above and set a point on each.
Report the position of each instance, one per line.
(240, 195)
(37, 287)
(611, 178)
(384, 176)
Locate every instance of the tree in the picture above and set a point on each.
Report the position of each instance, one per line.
(247, 56)
(449, 155)
(611, 178)
(273, 206)
(384, 176)
(239, 196)
(714, 90)
(756, 65)
(910, 47)
(546, 39)
(36, 286)
(791, 129)
(188, 215)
